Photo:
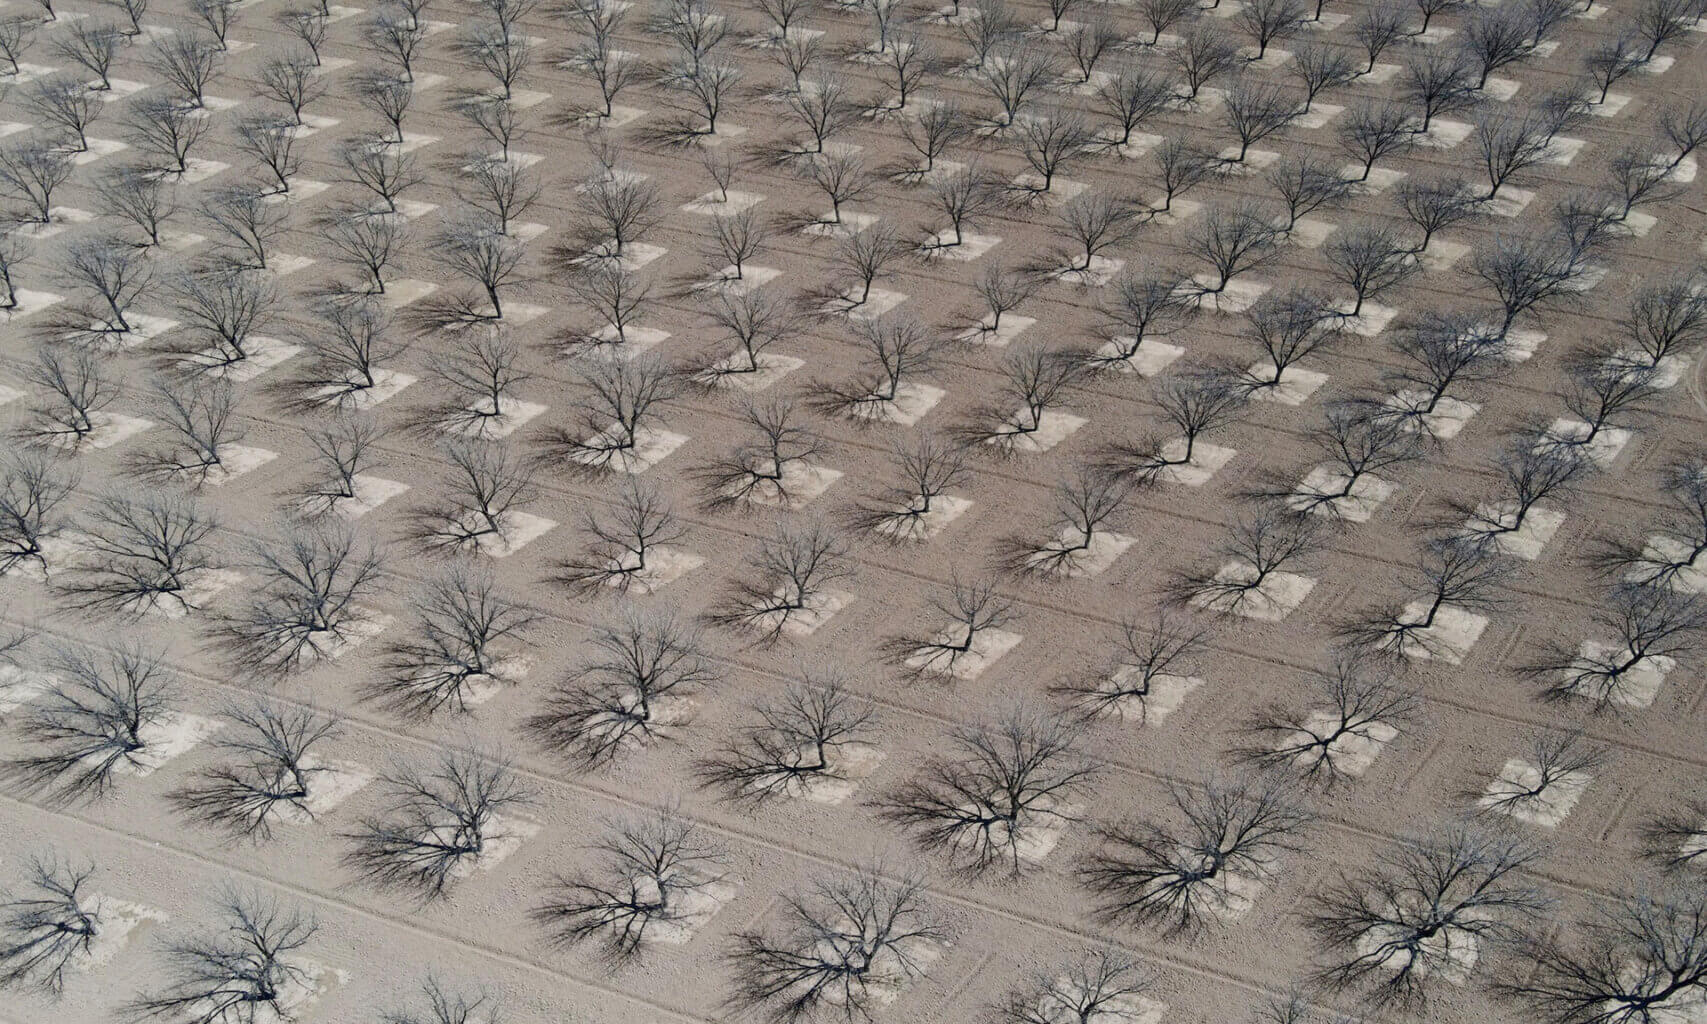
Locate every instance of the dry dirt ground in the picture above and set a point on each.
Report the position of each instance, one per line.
(376, 944)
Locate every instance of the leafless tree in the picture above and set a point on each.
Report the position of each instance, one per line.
(737, 239)
(1353, 705)
(1441, 353)
(1002, 290)
(649, 875)
(1181, 165)
(932, 132)
(1685, 129)
(599, 58)
(114, 273)
(616, 296)
(48, 925)
(1131, 98)
(388, 95)
(1433, 206)
(1524, 272)
(1203, 55)
(484, 487)
(14, 255)
(248, 967)
(861, 259)
(71, 397)
(622, 546)
(1233, 240)
(1641, 955)
(1600, 395)
(766, 468)
(1508, 145)
(93, 46)
(1169, 646)
(895, 348)
(447, 1007)
(929, 468)
(469, 247)
(1161, 15)
(1142, 308)
(499, 50)
(1184, 873)
(1554, 759)
(1437, 84)
(1036, 380)
(188, 61)
(1663, 319)
(995, 27)
(165, 128)
(825, 108)
(218, 16)
(1195, 403)
(1677, 838)
(1658, 22)
(1682, 524)
(368, 241)
(1086, 45)
(842, 948)
(1357, 442)
(267, 771)
(17, 33)
(1610, 62)
(348, 343)
(1426, 914)
(31, 172)
(482, 376)
(1375, 129)
(1106, 987)
(1529, 473)
(1320, 68)
(696, 27)
(796, 54)
(1370, 260)
(1306, 185)
(1451, 572)
(65, 105)
(1287, 327)
(1494, 38)
(703, 89)
(439, 821)
(1084, 505)
(796, 742)
(786, 584)
(270, 140)
(1377, 28)
(293, 81)
(618, 212)
(1259, 547)
(1093, 222)
(33, 492)
(962, 195)
(1013, 75)
(1270, 20)
(96, 720)
(968, 609)
(199, 420)
(221, 308)
(306, 599)
(342, 451)
(617, 401)
(308, 25)
(1007, 782)
(249, 224)
(629, 691)
(461, 644)
(395, 37)
(842, 176)
(754, 319)
(1642, 626)
(136, 554)
(142, 197)
(1048, 144)
(386, 171)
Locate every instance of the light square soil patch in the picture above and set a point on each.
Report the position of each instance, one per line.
(819, 608)
(1603, 449)
(728, 280)
(664, 565)
(170, 736)
(517, 415)
(1380, 179)
(240, 459)
(1206, 461)
(119, 921)
(1098, 271)
(1371, 320)
(1663, 550)
(518, 530)
(387, 384)
(772, 368)
(1448, 638)
(850, 224)
(1053, 427)
(60, 220)
(1353, 752)
(651, 446)
(98, 149)
(987, 647)
(261, 354)
(402, 293)
(712, 204)
(1003, 335)
(20, 686)
(1365, 495)
(1550, 808)
(1151, 358)
(1636, 687)
(111, 429)
(370, 493)
(1319, 116)
(970, 247)
(200, 588)
(800, 484)
(1443, 134)
(1443, 422)
(1235, 296)
(1279, 594)
(331, 783)
(912, 401)
(1528, 540)
(1511, 202)
(1103, 550)
(1167, 694)
(1295, 387)
(945, 509)
(1310, 234)
(27, 302)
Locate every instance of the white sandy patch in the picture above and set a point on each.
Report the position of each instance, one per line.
(1273, 600)
(97, 149)
(801, 483)
(516, 415)
(170, 736)
(1501, 90)
(117, 921)
(1088, 558)
(1548, 809)
(201, 586)
(1206, 461)
(1003, 335)
(387, 384)
(1178, 212)
(911, 402)
(1528, 540)
(20, 686)
(1603, 449)
(1444, 134)
(971, 246)
(235, 461)
(738, 282)
(1663, 550)
(819, 608)
(1295, 387)
(987, 646)
(1380, 179)
(1098, 271)
(712, 204)
(517, 530)
(1449, 638)
(1636, 687)
(877, 302)
(1309, 233)
(1319, 116)
(1450, 952)
(1371, 320)
(403, 292)
(850, 224)
(330, 784)
(260, 354)
(1167, 695)
(945, 509)
(27, 302)
(1235, 296)
(1353, 751)
(111, 429)
(664, 565)
(286, 264)
(1510, 202)
(60, 218)
(1053, 427)
(1443, 423)
(651, 446)
(1366, 494)
(1151, 358)
(772, 368)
